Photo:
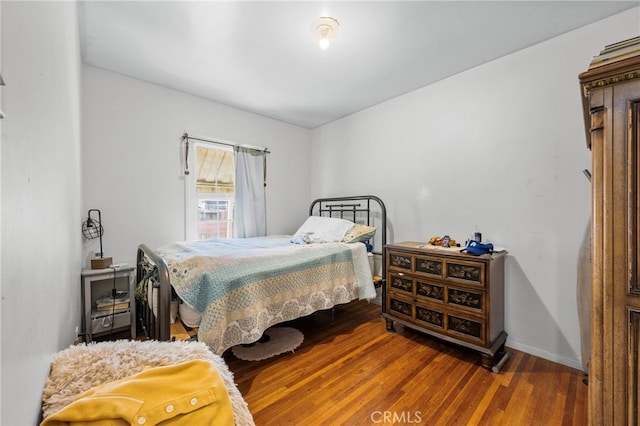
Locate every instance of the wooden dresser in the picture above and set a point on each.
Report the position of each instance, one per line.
(611, 88)
(454, 296)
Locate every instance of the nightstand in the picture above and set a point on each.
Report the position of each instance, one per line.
(97, 283)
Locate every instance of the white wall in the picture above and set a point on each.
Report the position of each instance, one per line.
(133, 168)
(41, 238)
(501, 146)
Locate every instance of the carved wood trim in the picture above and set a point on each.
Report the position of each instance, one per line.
(598, 117)
(610, 74)
(633, 140)
(610, 80)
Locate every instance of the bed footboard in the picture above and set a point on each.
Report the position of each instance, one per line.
(150, 266)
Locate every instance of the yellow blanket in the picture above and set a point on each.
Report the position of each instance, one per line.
(189, 393)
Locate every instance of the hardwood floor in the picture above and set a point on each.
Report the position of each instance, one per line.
(350, 371)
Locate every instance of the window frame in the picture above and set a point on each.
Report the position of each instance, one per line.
(191, 193)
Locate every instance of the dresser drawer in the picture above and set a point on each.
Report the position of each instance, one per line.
(401, 261)
(430, 290)
(425, 315)
(465, 272)
(468, 328)
(429, 266)
(399, 306)
(401, 282)
(430, 317)
(472, 300)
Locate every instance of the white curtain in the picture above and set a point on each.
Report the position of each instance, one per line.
(250, 218)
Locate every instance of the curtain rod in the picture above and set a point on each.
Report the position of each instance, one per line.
(186, 137)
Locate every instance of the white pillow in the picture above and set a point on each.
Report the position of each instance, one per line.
(323, 229)
(359, 233)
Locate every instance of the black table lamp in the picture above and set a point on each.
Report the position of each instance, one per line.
(92, 228)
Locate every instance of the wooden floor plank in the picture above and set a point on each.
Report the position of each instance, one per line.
(350, 371)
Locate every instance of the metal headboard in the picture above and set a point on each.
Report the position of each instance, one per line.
(364, 209)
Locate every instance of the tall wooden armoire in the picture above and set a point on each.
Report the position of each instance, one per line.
(611, 87)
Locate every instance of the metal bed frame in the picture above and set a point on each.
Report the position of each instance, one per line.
(363, 209)
(358, 209)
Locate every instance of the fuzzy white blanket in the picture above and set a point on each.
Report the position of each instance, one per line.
(79, 368)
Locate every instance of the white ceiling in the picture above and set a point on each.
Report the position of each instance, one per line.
(262, 56)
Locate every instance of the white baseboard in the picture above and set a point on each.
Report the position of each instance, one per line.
(569, 362)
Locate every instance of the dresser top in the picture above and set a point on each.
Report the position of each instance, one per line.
(446, 251)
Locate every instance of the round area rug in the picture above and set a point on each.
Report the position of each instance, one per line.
(280, 340)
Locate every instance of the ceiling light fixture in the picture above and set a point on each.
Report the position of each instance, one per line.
(326, 29)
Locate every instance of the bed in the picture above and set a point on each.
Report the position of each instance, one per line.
(241, 287)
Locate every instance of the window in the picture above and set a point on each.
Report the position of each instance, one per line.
(210, 193)
(218, 206)
(215, 218)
